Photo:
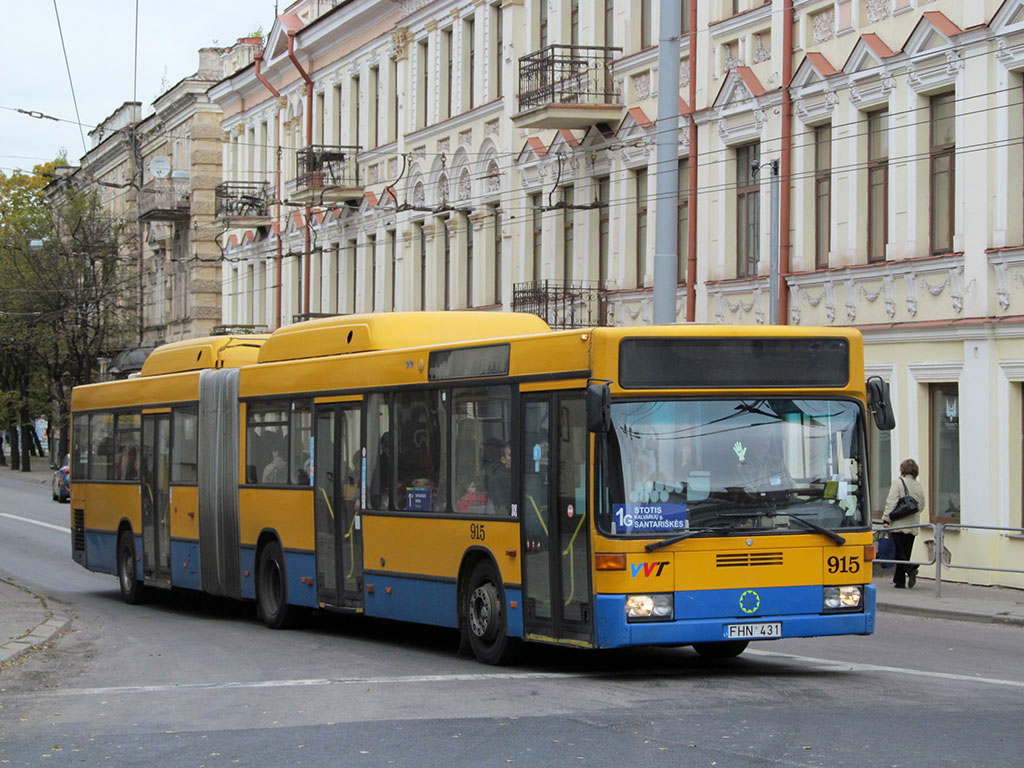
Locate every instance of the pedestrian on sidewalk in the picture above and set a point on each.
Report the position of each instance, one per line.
(905, 575)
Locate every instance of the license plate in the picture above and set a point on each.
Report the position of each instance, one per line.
(763, 631)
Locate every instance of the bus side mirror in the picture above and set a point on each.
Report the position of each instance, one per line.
(599, 408)
(880, 404)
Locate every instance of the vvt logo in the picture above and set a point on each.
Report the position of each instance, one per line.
(648, 568)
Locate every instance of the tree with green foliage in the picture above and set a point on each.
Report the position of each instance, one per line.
(69, 296)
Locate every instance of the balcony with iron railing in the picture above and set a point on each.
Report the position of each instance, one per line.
(567, 86)
(243, 202)
(561, 304)
(167, 199)
(325, 174)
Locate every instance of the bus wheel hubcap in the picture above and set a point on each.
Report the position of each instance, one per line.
(483, 611)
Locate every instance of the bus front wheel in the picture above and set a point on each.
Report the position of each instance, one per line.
(272, 588)
(725, 650)
(132, 590)
(484, 617)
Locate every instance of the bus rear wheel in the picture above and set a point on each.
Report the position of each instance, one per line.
(272, 588)
(484, 617)
(132, 590)
(725, 650)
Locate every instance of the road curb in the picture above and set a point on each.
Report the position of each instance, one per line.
(34, 638)
(953, 615)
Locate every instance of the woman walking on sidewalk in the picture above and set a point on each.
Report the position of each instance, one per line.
(903, 541)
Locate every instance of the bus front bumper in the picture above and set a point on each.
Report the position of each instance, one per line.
(705, 616)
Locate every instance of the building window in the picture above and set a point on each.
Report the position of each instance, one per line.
(748, 210)
(373, 117)
(496, 50)
(878, 184)
(371, 267)
(537, 225)
(469, 260)
(392, 240)
(447, 262)
(469, 68)
(356, 101)
(822, 194)
(683, 218)
(393, 101)
(942, 150)
(497, 256)
(333, 271)
(422, 112)
(447, 71)
(609, 23)
(542, 23)
(603, 230)
(353, 274)
(421, 238)
(568, 247)
(646, 23)
(880, 468)
(944, 464)
(641, 225)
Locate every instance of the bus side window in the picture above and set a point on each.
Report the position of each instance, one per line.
(420, 445)
(379, 467)
(266, 443)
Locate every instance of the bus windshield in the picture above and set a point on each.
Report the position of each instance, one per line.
(759, 464)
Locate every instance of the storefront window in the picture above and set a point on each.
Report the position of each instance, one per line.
(944, 500)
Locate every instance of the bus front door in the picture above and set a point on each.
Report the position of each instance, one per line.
(553, 517)
(337, 480)
(155, 476)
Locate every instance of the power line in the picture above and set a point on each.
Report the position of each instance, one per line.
(67, 64)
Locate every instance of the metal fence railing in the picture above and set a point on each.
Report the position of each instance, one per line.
(561, 304)
(567, 74)
(938, 558)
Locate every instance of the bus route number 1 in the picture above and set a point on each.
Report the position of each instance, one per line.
(476, 531)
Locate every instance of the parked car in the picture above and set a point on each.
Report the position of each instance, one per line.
(61, 483)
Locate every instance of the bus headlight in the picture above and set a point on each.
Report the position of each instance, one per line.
(650, 607)
(843, 598)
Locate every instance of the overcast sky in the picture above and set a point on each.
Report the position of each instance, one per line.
(100, 40)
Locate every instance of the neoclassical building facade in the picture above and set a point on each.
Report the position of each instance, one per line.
(435, 154)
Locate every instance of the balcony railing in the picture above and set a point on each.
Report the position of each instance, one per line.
(326, 174)
(561, 304)
(242, 200)
(165, 199)
(567, 75)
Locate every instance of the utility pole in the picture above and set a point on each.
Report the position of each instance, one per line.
(667, 177)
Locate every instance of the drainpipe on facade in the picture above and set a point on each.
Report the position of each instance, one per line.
(308, 256)
(785, 239)
(277, 128)
(691, 230)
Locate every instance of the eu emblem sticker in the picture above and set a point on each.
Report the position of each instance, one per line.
(750, 601)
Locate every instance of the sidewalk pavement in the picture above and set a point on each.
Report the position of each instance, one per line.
(26, 620)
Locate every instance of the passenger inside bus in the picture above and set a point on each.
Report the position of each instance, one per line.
(499, 483)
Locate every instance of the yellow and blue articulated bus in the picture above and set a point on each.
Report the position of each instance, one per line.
(598, 488)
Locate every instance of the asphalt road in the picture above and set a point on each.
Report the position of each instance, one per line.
(189, 681)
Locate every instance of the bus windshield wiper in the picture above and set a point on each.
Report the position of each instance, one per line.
(818, 528)
(673, 539)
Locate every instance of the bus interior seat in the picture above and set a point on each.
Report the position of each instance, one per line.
(250, 474)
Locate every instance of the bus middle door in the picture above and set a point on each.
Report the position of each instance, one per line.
(337, 480)
(553, 518)
(155, 479)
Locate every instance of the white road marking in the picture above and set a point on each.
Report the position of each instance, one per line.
(853, 666)
(60, 528)
(830, 664)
